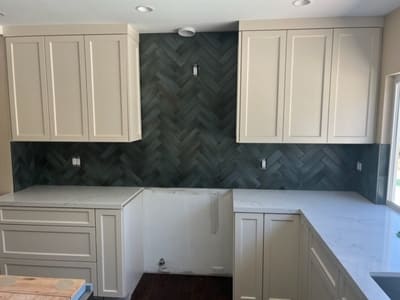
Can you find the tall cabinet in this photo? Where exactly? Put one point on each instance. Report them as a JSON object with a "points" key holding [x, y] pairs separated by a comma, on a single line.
{"points": [[308, 81], [72, 84]]}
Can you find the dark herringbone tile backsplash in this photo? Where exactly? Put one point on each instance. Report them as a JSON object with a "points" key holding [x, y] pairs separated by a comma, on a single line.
{"points": [[188, 133]]}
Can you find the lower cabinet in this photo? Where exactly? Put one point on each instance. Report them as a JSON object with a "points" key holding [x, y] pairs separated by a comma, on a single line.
{"points": [[102, 246], [325, 278], [280, 256], [248, 266], [266, 256], [55, 269], [318, 286], [348, 290], [304, 258]]}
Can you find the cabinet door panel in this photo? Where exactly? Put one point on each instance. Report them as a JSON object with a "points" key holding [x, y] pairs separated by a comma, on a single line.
{"points": [[106, 63], [349, 291], [307, 85], [261, 86], [67, 88], [248, 256], [281, 256], [27, 85], [109, 253], [318, 286], [48, 242], [50, 268], [353, 98]]}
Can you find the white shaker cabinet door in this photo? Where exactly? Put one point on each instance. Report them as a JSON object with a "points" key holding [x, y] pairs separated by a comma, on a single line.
{"points": [[109, 253], [353, 100], [248, 266], [281, 256], [349, 291], [261, 86], [107, 80], [308, 69], [318, 285], [28, 90], [65, 57]]}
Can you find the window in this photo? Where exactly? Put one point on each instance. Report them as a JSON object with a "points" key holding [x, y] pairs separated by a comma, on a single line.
{"points": [[394, 168]]}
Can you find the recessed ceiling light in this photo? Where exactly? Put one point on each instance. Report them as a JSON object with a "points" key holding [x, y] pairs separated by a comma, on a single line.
{"points": [[186, 31], [301, 2], [144, 8]]}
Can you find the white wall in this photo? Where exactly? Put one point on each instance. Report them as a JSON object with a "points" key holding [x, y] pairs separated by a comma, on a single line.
{"points": [[390, 66], [192, 229]]}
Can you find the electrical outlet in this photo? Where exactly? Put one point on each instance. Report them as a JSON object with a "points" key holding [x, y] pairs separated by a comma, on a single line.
{"points": [[263, 164], [76, 162], [359, 166]]}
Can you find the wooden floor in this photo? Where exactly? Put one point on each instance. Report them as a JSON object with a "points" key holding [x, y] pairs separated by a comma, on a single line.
{"points": [[181, 287]]}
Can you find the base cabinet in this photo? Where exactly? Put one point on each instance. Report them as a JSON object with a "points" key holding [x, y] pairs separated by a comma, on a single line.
{"points": [[281, 256], [348, 290], [54, 269], [324, 277], [266, 256], [104, 246], [318, 287], [248, 257]]}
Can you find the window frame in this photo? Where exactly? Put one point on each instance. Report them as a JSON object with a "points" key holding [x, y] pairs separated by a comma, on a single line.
{"points": [[395, 144]]}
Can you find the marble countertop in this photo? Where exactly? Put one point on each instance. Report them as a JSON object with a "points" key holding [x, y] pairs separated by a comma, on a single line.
{"points": [[71, 196], [360, 234]]}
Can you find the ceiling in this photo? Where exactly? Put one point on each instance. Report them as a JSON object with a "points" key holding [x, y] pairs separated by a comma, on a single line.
{"points": [[204, 15]]}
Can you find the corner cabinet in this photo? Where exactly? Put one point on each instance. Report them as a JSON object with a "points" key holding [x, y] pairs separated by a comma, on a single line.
{"points": [[308, 85], [77, 87], [280, 256]]}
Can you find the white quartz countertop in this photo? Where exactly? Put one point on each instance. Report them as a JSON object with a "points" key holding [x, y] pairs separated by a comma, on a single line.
{"points": [[71, 196], [360, 234]]}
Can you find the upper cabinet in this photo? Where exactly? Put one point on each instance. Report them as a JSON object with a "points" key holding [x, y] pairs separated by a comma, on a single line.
{"points": [[306, 85], [66, 77], [356, 54], [262, 64], [107, 58], [80, 86], [308, 71], [29, 105]]}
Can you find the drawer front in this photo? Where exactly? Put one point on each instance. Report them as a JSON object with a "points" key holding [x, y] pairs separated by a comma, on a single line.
{"points": [[47, 216], [54, 269], [45, 242], [326, 261]]}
